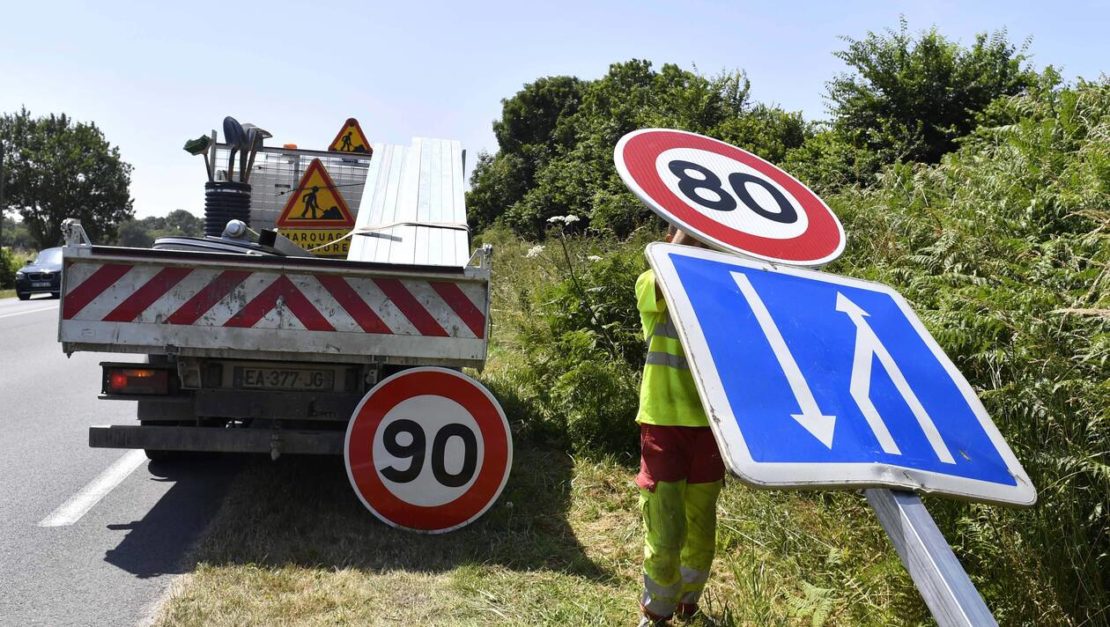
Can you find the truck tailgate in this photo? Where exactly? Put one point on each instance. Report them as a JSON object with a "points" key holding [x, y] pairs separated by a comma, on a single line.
{"points": [[256, 307]]}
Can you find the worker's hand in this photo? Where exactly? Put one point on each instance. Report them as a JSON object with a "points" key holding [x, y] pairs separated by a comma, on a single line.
{"points": [[685, 239]]}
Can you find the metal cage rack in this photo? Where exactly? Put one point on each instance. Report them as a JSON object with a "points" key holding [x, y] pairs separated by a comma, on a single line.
{"points": [[276, 172]]}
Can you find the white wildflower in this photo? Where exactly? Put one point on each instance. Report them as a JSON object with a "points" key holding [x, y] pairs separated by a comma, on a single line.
{"points": [[534, 251], [594, 258]]}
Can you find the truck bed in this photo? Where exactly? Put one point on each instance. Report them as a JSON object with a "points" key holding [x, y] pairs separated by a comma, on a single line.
{"points": [[129, 300]]}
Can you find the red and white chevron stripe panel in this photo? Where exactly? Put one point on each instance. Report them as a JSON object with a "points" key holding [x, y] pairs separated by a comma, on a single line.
{"points": [[210, 297]]}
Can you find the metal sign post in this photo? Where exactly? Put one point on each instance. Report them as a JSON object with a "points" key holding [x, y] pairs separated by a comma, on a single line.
{"points": [[854, 392], [938, 575]]}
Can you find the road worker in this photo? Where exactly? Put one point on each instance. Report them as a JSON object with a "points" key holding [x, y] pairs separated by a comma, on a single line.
{"points": [[681, 471]]}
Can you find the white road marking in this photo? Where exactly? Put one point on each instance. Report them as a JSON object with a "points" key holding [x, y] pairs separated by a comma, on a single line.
{"points": [[72, 510], [20, 313]]}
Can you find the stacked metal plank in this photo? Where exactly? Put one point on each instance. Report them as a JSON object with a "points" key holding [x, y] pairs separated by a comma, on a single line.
{"points": [[412, 208]]}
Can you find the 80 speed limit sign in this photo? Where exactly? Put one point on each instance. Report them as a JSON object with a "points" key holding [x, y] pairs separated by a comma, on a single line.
{"points": [[428, 449], [728, 197]]}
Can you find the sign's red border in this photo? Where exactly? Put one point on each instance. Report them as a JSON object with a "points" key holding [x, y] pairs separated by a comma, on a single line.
{"points": [[636, 157], [495, 461]]}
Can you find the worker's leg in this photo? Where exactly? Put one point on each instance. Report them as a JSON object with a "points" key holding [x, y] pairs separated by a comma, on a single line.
{"points": [[664, 533], [701, 540], [704, 482]]}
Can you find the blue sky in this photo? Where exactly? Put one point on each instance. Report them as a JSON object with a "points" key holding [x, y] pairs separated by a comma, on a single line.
{"points": [[153, 74]]}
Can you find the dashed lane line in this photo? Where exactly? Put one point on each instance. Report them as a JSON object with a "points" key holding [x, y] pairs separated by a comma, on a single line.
{"points": [[79, 504], [29, 311]]}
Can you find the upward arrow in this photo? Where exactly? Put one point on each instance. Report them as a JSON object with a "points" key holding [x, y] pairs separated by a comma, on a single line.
{"points": [[811, 418], [867, 346], [854, 311]]}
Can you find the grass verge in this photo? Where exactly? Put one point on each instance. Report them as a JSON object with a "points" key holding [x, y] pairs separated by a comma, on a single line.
{"points": [[292, 545]]}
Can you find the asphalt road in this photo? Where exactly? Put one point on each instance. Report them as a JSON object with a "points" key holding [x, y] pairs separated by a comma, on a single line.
{"points": [[108, 565]]}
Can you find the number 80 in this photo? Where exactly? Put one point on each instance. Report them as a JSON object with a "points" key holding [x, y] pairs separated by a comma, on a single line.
{"points": [[724, 201]]}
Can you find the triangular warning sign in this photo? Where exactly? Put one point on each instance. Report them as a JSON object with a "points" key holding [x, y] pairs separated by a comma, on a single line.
{"points": [[351, 139], [316, 203]]}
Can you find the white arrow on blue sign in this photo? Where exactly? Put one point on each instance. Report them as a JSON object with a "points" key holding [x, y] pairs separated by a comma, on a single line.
{"points": [[812, 379]]}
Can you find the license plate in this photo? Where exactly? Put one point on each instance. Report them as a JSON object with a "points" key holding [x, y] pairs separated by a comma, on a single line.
{"points": [[40, 283], [284, 379]]}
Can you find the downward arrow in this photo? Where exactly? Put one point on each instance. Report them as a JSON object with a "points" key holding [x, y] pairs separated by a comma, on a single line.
{"points": [[811, 419]]}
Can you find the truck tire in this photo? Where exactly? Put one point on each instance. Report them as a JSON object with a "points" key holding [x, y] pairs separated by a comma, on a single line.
{"points": [[23, 295]]}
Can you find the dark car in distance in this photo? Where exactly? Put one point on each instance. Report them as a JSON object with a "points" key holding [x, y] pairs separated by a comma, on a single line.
{"points": [[44, 274]]}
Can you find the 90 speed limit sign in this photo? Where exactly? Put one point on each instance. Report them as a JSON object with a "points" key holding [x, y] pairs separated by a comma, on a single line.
{"points": [[428, 449], [728, 197]]}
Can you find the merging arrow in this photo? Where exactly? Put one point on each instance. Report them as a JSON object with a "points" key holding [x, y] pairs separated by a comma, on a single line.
{"points": [[811, 418], [867, 346]]}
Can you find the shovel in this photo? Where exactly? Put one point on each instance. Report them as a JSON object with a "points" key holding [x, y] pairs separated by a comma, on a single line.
{"points": [[255, 139], [233, 135]]}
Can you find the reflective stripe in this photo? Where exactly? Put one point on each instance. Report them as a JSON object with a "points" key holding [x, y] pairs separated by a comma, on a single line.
{"points": [[660, 600], [693, 582], [692, 576], [666, 329], [656, 358]]}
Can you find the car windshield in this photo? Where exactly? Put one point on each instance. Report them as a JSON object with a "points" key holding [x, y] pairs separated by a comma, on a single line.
{"points": [[50, 256]]}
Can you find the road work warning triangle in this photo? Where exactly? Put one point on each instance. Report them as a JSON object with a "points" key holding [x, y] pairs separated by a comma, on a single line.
{"points": [[351, 139], [316, 203]]}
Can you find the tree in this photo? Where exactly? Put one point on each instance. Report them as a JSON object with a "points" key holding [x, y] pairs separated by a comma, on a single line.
{"points": [[15, 235], [132, 233], [181, 222], [556, 139], [909, 98], [531, 131], [142, 233], [57, 169]]}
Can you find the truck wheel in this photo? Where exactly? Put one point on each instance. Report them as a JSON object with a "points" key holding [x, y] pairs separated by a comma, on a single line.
{"points": [[23, 296]]}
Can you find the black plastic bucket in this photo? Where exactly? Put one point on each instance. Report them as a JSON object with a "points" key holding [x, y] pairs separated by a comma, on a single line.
{"points": [[224, 201]]}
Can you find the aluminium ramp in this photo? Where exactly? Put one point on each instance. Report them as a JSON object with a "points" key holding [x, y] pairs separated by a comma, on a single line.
{"points": [[412, 207]]}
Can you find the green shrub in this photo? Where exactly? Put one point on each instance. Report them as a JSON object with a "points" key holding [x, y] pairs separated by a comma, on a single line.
{"points": [[1003, 249], [10, 262], [565, 315], [7, 271]]}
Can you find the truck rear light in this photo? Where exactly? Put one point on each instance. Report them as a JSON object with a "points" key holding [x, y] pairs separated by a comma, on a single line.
{"points": [[136, 381]]}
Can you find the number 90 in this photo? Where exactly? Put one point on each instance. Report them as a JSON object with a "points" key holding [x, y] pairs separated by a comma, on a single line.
{"points": [[416, 450]]}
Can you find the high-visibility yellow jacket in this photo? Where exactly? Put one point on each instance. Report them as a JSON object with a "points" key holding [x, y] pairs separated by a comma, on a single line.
{"points": [[668, 396]]}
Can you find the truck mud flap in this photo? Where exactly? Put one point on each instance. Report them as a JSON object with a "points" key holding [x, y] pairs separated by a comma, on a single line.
{"points": [[217, 440]]}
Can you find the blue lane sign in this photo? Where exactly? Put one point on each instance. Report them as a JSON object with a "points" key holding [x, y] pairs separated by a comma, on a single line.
{"points": [[812, 379]]}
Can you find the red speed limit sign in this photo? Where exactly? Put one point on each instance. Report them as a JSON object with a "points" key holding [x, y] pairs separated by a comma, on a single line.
{"points": [[728, 197], [428, 450]]}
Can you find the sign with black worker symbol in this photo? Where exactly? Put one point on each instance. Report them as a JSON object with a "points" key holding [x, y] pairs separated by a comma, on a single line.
{"points": [[728, 197], [316, 215], [351, 139], [428, 450]]}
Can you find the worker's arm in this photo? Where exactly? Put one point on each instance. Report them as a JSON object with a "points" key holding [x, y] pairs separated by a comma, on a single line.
{"points": [[682, 238]]}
